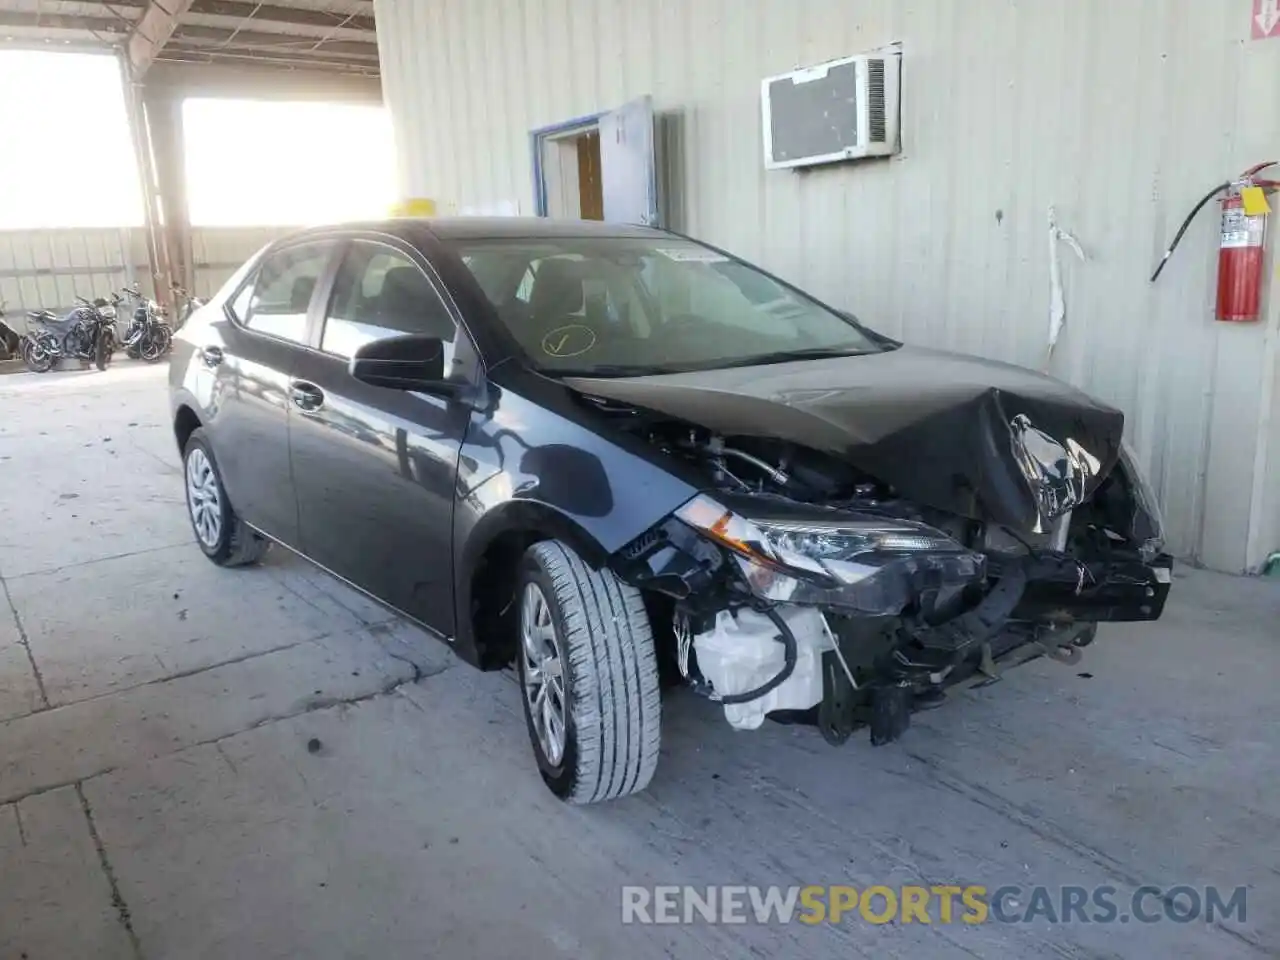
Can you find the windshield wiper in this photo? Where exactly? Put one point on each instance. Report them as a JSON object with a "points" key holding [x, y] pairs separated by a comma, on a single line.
{"points": [[784, 356], [637, 370], [607, 370]]}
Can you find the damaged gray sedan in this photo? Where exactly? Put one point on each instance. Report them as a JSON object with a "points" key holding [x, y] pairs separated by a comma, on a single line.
{"points": [[615, 457]]}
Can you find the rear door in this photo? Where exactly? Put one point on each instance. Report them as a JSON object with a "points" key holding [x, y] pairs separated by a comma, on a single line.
{"points": [[375, 468], [251, 354]]}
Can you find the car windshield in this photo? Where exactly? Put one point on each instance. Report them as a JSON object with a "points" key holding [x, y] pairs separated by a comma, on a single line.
{"points": [[626, 306]]}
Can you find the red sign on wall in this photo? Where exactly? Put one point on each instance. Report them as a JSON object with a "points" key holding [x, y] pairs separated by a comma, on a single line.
{"points": [[1266, 19]]}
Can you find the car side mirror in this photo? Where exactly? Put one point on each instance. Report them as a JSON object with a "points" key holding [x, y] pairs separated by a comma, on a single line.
{"points": [[402, 363]]}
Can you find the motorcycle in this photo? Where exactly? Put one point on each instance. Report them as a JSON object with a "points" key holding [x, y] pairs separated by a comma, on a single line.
{"points": [[87, 334], [149, 336], [10, 341], [185, 304]]}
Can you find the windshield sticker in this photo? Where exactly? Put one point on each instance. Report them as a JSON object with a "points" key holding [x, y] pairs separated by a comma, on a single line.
{"points": [[568, 341], [692, 255]]}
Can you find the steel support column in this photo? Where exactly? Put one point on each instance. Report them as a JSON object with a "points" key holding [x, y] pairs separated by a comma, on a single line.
{"points": [[164, 125], [157, 248]]}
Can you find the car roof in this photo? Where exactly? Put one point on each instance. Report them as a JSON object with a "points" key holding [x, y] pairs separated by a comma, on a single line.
{"points": [[485, 228], [475, 228]]}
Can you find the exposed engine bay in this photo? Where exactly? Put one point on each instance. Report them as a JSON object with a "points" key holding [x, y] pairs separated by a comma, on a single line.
{"points": [[801, 587]]}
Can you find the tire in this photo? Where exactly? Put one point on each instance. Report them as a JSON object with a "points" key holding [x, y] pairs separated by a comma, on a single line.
{"points": [[231, 542], [155, 346], [102, 349], [597, 630], [36, 355]]}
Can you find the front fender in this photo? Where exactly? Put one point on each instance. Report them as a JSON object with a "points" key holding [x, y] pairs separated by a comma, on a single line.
{"points": [[537, 470], [550, 452]]}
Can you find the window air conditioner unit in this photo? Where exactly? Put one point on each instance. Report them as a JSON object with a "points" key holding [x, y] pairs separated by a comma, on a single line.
{"points": [[839, 110]]}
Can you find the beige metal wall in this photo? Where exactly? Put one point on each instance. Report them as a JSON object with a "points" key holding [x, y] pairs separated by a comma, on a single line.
{"points": [[1120, 113], [47, 269], [218, 252]]}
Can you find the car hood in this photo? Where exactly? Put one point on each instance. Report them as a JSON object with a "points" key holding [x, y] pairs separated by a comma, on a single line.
{"points": [[978, 438]]}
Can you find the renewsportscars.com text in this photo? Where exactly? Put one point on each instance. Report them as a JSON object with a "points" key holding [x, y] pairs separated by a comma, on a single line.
{"points": [[934, 904]]}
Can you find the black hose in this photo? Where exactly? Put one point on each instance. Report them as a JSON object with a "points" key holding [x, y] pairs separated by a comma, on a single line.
{"points": [[1177, 237], [788, 668]]}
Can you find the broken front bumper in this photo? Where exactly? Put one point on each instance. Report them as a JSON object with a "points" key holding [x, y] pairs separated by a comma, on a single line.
{"points": [[1060, 588], [944, 622]]}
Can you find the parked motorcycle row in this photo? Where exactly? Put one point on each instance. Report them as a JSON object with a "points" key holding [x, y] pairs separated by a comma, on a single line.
{"points": [[88, 333]]}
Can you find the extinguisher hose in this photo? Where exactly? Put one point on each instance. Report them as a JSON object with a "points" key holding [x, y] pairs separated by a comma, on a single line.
{"points": [[1177, 237]]}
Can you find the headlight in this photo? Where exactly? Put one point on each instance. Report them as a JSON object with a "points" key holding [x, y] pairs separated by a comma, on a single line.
{"points": [[868, 563], [1146, 524]]}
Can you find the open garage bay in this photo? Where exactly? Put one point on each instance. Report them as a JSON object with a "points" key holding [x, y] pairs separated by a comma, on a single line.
{"points": [[199, 762]]}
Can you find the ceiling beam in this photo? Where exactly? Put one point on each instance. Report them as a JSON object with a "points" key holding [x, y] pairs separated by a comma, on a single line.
{"points": [[176, 77], [269, 13], [180, 55], [236, 50], [152, 32], [197, 35], [62, 21], [50, 45]]}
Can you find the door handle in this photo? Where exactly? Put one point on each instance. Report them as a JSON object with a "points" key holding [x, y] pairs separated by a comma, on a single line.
{"points": [[212, 356], [306, 396]]}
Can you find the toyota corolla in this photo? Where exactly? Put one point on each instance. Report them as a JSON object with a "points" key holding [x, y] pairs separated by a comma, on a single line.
{"points": [[608, 455]]}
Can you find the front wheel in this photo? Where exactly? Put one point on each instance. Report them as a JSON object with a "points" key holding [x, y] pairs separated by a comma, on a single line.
{"points": [[590, 677], [155, 345], [37, 355], [103, 347]]}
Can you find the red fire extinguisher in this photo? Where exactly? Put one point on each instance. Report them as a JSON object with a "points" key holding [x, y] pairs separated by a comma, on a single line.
{"points": [[1242, 250], [1240, 256]]}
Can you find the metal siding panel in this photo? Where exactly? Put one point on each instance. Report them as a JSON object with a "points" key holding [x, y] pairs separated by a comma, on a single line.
{"points": [[514, 172], [610, 54], [46, 269], [219, 251], [1113, 112]]}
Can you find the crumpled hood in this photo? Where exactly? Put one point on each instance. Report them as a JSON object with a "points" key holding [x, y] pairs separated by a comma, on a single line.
{"points": [[974, 437]]}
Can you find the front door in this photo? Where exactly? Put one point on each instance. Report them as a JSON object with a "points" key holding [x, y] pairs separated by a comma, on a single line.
{"points": [[250, 356], [374, 468]]}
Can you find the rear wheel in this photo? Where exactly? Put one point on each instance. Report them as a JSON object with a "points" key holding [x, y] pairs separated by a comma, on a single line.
{"points": [[222, 536], [589, 675]]}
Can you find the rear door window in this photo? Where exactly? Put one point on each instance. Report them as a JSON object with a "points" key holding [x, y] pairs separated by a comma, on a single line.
{"points": [[276, 302]]}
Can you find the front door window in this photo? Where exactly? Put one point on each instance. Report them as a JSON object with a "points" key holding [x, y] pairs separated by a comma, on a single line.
{"points": [[379, 292]]}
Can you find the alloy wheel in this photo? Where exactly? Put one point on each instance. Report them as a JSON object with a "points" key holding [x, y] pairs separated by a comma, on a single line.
{"points": [[202, 498], [543, 673]]}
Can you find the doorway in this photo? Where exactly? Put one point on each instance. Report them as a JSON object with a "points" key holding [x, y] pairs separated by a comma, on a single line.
{"points": [[601, 167], [571, 170]]}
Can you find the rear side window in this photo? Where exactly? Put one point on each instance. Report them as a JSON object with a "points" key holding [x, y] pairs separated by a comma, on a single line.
{"points": [[379, 292], [276, 301]]}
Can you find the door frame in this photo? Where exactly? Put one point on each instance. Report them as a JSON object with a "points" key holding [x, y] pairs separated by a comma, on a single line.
{"points": [[539, 138]]}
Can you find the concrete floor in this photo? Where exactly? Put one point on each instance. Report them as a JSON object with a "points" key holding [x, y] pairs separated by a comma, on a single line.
{"points": [[260, 763]]}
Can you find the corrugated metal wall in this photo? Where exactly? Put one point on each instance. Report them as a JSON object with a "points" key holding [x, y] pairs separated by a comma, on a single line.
{"points": [[218, 252], [1120, 113], [47, 269]]}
